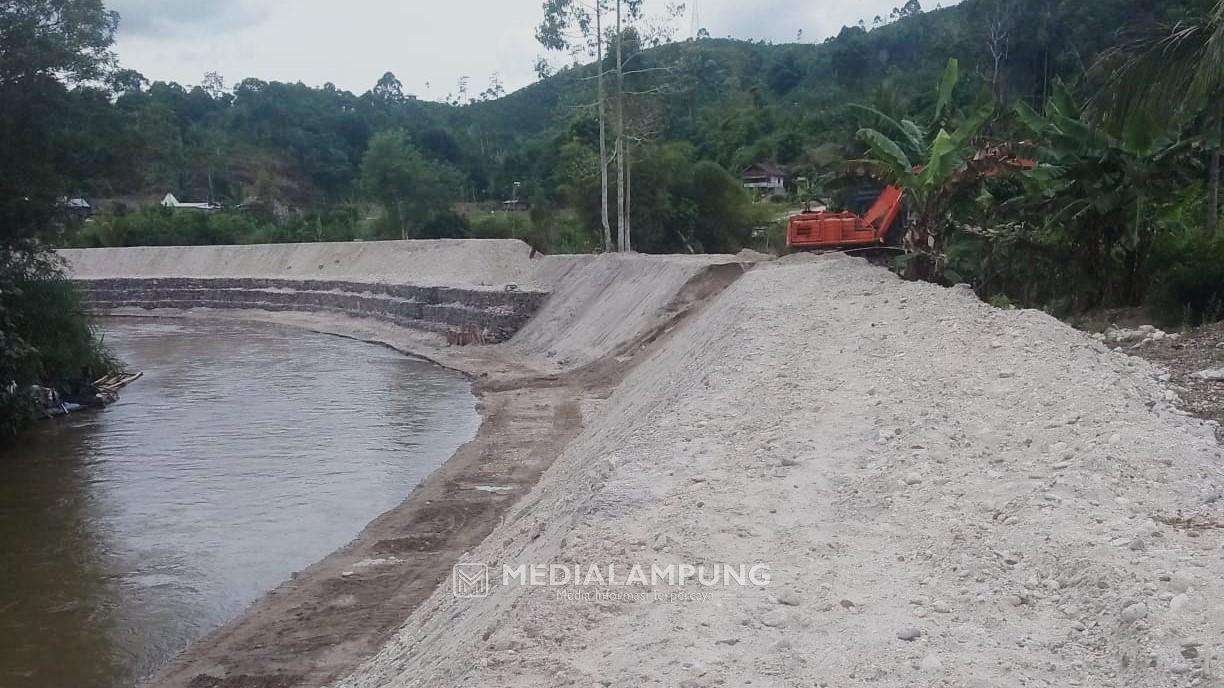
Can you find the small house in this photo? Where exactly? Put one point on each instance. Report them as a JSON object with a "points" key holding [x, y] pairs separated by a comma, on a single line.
{"points": [[765, 178]]}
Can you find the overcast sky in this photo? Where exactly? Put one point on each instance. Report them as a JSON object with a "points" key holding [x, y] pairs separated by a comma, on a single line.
{"points": [[429, 45]]}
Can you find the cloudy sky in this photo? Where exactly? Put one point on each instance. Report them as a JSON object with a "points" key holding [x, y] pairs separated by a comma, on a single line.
{"points": [[429, 45]]}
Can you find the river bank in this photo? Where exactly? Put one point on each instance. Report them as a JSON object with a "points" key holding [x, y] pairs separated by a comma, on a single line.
{"points": [[533, 392], [946, 494]]}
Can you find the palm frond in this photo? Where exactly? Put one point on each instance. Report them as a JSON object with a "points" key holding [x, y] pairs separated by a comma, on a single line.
{"points": [[905, 133], [947, 86], [888, 152], [1031, 119], [945, 158], [1174, 69]]}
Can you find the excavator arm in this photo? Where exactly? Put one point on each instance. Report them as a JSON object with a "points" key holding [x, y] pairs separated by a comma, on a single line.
{"points": [[826, 230]]}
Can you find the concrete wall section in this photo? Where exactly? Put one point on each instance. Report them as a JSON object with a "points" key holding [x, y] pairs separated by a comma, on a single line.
{"points": [[498, 314]]}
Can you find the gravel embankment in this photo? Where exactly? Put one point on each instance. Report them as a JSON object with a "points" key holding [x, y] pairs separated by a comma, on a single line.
{"points": [[492, 263], [946, 494]]}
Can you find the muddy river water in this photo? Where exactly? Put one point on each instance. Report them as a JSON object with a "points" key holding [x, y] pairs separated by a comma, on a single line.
{"points": [[245, 454]]}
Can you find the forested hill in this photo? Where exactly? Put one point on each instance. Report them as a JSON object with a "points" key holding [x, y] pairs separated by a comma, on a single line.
{"points": [[736, 102]]}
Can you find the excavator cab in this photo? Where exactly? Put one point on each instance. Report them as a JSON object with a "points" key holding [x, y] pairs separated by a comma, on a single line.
{"points": [[826, 230]]}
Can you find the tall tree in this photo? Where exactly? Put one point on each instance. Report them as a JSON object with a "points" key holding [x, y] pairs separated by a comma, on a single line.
{"points": [[622, 208], [1178, 73], [412, 189], [45, 45], [389, 89], [570, 26]]}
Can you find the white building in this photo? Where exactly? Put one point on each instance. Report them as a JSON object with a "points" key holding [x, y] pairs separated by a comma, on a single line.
{"points": [[171, 202]]}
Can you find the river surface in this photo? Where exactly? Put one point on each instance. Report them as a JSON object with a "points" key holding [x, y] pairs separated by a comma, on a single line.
{"points": [[246, 453]]}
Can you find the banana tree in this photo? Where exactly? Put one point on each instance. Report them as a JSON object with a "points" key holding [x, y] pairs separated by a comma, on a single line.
{"points": [[1092, 195], [936, 167]]}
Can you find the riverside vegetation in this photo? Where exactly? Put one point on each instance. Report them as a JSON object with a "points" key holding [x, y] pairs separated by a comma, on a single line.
{"points": [[1118, 101], [46, 340]]}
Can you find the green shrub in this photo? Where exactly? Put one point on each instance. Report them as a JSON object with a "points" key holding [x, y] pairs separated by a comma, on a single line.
{"points": [[1188, 272], [46, 337]]}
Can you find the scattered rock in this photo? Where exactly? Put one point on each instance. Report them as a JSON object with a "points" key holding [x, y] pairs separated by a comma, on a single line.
{"points": [[1134, 612], [931, 664], [776, 619], [1180, 603], [941, 607], [789, 598], [909, 634], [1181, 581], [912, 478], [1211, 375]]}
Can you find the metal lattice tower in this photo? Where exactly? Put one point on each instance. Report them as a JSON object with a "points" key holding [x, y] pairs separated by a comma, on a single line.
{"points": [[696, 18]]}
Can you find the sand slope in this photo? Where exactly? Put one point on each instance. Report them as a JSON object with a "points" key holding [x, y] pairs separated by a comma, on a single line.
{"points": [[601, 305], [947, 494]]}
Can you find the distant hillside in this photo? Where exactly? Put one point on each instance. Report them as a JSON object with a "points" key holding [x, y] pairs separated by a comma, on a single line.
{"points": [[734, 102], [792, 91]]}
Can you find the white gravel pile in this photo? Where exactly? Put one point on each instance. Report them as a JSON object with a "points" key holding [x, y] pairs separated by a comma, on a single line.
{"points": [[946, 494]]}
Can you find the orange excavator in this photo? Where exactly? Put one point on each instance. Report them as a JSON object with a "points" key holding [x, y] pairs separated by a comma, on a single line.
{"points": [[812, 230]]}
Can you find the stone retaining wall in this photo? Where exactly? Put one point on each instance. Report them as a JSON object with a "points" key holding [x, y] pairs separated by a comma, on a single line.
{"points": [[497, 314]]}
